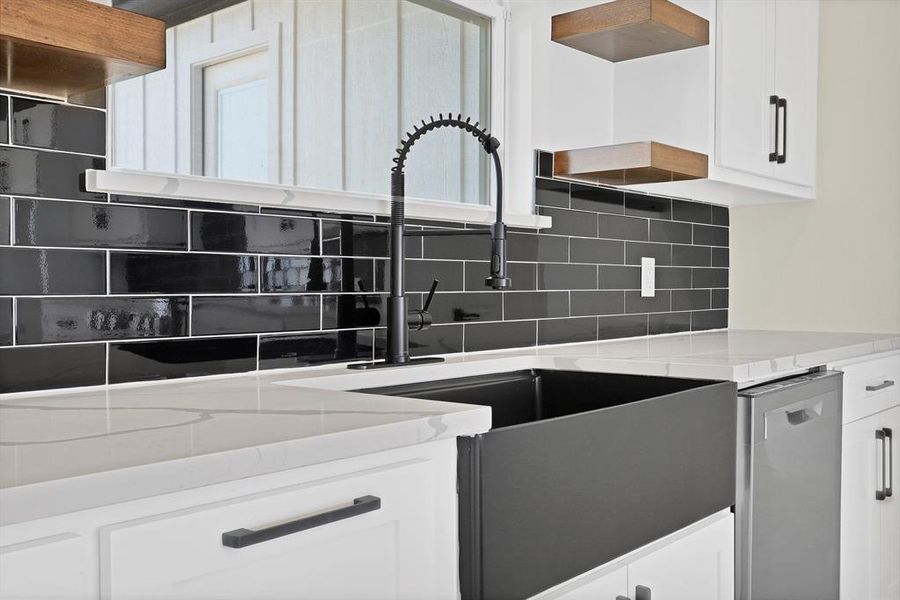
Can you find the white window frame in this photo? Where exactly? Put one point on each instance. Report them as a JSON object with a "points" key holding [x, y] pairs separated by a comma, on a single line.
{"points": [[518, 201]]}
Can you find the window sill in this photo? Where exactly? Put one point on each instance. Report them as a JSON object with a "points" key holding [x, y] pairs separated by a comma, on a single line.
{"points": [[193, 187]]}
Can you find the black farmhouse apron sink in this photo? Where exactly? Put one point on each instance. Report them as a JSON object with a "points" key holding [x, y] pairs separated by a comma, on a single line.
{"points": [[580, 468]]}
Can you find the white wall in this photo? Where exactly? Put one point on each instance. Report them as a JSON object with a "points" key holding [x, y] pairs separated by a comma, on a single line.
{"points": [[834, 264]]}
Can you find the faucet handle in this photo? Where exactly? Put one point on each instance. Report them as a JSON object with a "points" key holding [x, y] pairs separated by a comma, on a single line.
{"points": [[430, 297]]}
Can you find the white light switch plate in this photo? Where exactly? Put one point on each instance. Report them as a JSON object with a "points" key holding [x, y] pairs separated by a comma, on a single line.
{"points": [[648, 277]]}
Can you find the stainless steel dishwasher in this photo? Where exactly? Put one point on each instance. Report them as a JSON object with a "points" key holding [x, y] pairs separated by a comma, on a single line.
{"points": [[788, 497]]}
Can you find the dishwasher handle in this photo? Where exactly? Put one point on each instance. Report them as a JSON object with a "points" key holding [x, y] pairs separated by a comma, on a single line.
{"points": [[785, 418]]}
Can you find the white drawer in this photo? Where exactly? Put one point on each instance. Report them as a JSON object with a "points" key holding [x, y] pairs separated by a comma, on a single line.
{"points": [[381, 554], [871, 386]]}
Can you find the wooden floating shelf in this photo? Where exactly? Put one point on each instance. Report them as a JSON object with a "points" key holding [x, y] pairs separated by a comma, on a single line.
{"points": [[627, 29], [628, 164], [63, 48]]}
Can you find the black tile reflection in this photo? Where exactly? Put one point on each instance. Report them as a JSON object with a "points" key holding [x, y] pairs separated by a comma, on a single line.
{"points": [[694, 212], [690, 299], [90, 225], [599, 302], [170, 359], [570, 222], [619, 278], [567, 331], [623, 326], [58, 126], [4, 220], [535, 305], [315, 214], [4, 122], [675, 322], [303, 350], [710, 278], [314, 274], [709, 319], [51, 367], [348, 238], [597, 199], [212, 315], [6, 321], [670, 231], [719, 298], [544, 164], [566, 277], [466, 307], [440, 339], [346, 311], [94, 318], [719, 215], [180, 203], [525, 247], [233, 232], [493, 336], [690, 256], [622, 228], [150, 273], [585, 250], [635, 251], [719, 257], [523, 275], [635, 303], [673, 277], [25, 172], [27, 271], [460, 247], [420, 274], [710, 235], [639, 205], [548, 192]]}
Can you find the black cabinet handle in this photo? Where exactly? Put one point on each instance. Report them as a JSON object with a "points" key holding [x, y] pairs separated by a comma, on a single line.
{"points": [[622, 598], [889, 488], [884, 384], [881, 494], [773, 156], [782, 104], [241, 538], [641, 592]]}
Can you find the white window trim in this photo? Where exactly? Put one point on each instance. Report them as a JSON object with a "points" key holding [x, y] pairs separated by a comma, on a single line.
{"points": [[518, 200]]}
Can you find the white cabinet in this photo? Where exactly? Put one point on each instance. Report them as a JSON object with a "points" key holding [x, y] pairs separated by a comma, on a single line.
{"points": [[695, 563], [49, 567], [870, 506]]}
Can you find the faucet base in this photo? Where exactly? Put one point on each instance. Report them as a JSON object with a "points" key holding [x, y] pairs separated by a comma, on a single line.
{"points": [[382, 364]]}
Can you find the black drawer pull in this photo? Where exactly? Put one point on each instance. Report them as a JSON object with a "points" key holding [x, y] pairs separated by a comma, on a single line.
{"points": [[241, 538], [889, 488], [773, 156], [642, 592], [884, 384], [782, 103], [881, 494]]}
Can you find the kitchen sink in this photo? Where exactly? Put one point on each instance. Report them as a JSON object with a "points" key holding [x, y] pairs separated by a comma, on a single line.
{"points": [[580, 468]]}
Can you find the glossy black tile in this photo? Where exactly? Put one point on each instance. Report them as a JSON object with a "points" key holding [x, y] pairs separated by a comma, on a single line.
{"points": [[719, 215], [635, 251], [315, 274], [619, 278], [420, 274], [526, 247], [212, 315], [27, 271], [690, 256], [6, 321], [4, 220], [694, 212], [690, 299], [674, 322], [25, 172], [635, 303], [585, 250], [96, 225], [58, 126], [493, 336], [639, 205], [719, 257], [179, 203], [597, 199], [670, 231], [303, 350], [567, 331], [597, 302], [709, 319], [623, 326], [4, 119], [463, 247], [544, 164], [50, 367], [152, 273], [523, 275], [673, 277], [623, 228], [95, 318], [349, 238], [719, 298], [710, 235], [233, 232], [439, 339], [710, 278], [317, 214], [466, 307], [554, 276], [548, 192], [348, 311], [535, 305], [570, 222], [171, 359]]}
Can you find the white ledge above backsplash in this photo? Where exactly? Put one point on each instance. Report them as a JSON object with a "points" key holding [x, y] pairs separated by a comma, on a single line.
{"points": [[207, 189]]}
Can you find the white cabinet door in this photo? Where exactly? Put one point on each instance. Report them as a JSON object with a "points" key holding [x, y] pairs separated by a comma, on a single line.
{"points": [[51, 567], [796, 77], [745, 55], [699, 566], [890, 513], [608, 587], [388, 553]]}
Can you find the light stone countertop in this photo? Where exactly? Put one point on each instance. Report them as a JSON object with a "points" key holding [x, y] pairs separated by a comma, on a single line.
{"points": [[74, 449]]}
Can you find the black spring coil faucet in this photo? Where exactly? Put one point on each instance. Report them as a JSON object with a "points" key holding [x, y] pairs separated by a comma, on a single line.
{"points": [[399, 318]]}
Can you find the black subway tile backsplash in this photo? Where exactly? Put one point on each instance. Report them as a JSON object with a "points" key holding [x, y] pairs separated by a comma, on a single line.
{"points": [[58, 126], [200, 288]]}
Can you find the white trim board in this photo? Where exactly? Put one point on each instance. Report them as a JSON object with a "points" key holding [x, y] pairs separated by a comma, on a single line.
{"points": [[194, 187]]}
